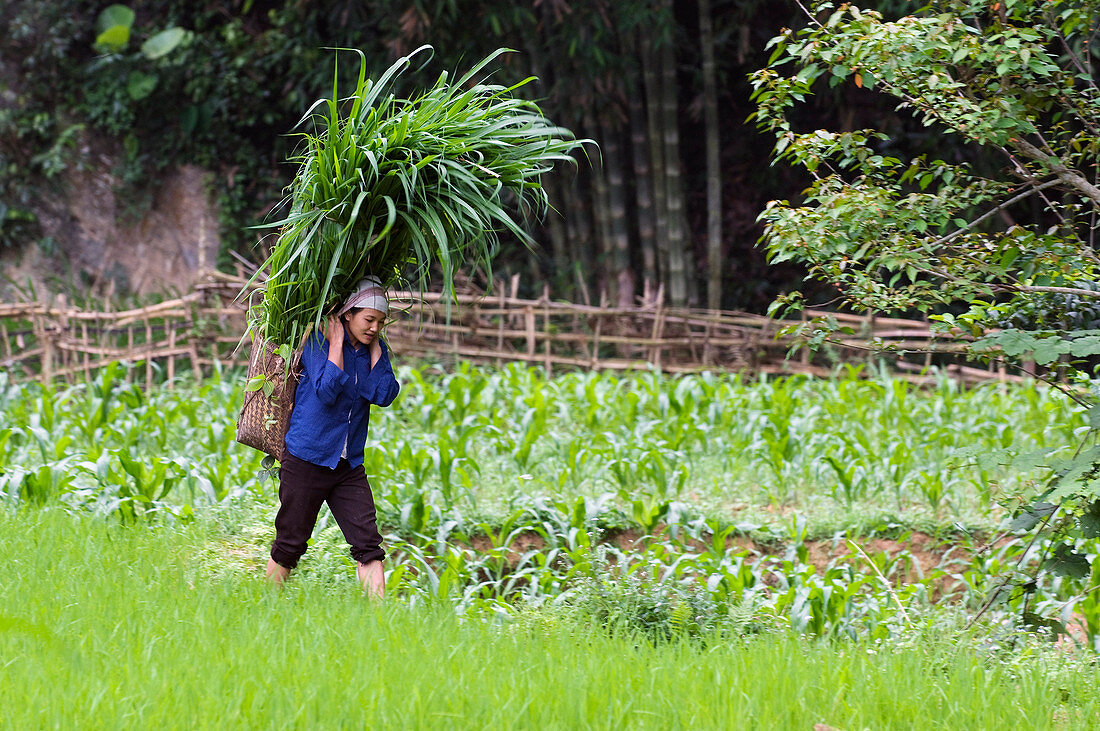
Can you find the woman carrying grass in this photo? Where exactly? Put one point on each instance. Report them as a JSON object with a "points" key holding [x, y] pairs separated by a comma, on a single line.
{"points": [[392, 186], [344, 371]]}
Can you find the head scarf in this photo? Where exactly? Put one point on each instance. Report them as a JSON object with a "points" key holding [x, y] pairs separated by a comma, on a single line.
{"points": [[368, 294]]}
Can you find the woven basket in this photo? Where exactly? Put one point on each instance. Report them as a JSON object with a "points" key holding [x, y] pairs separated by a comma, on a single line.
{"points": [[265, 418]]}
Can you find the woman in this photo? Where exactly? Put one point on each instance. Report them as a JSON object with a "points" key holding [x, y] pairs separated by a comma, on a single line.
{"points": [[343, 373]]}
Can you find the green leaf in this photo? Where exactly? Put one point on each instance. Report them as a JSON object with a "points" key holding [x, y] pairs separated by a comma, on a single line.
{"points": [[1067, 562], [1085, 346], [163, 43], [114, 39], [140, 85], [1089, 521], [1048, 350], [1036, 621], [189, 119], [1009, 256], [114, 16], [1013, 343], [1031, 517]]}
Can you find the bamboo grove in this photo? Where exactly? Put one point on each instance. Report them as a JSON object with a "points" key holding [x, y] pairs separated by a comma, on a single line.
{"points": [[661, 85]]}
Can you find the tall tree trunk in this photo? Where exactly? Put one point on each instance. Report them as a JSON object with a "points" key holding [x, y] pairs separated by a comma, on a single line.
{"points": [[601, 212], [622, 275], [656, 154], [679, 254], [578, 227], [643, 185], [556, 230], [556, 184], [714, 170]]}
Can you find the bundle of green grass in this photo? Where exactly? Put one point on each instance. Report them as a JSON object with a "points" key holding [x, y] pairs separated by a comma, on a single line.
{"points": [[389, 186]]}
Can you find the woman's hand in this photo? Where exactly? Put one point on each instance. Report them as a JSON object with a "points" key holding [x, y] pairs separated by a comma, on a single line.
{"points": [[334, 333], [375, 350]]}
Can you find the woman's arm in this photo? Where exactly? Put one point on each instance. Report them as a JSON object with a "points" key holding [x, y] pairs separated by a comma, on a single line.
{"points": [[328, 377], [335, 335], [380, 386]]}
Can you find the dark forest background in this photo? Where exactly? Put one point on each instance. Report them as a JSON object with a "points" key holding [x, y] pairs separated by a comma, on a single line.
{"points": [[671, 199]]}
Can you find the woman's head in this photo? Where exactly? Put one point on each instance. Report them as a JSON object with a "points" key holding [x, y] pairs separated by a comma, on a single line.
{"points": [[364, 312], [363, 324], [369, 293]]}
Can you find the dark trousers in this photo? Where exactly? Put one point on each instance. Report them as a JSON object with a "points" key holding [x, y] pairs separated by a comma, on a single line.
{"points": [[303, 487]]}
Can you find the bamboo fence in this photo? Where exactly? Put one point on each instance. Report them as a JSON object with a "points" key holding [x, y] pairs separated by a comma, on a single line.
{"points": [[207, 327]]}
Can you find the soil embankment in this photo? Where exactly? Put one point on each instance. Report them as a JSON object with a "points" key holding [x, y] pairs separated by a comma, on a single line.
{"points": [[101, 242]]}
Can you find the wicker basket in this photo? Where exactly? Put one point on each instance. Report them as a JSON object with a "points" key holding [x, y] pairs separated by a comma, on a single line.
{"points": [[265, 417]]}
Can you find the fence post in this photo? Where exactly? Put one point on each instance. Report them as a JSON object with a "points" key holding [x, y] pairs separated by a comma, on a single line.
{"points": [[85, 342], [549, 365], [655, 336], [148, 358], [706, 342], [65, 356], [529, 315], [171, 355], [500, 321], [869, 333], [42, 334], [805, 354], [596, 341]]}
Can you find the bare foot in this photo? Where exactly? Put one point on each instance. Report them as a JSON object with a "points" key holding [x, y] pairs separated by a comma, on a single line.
{"points": [[275, 573], [371, 578]]}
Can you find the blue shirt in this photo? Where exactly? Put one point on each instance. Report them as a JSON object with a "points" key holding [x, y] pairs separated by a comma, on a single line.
{"points": [[333, 405]]}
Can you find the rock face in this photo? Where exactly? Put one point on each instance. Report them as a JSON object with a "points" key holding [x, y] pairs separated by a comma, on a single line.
{"points": [[100, 253]]}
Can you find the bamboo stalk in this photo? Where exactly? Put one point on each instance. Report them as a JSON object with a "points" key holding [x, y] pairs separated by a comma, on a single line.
{"points": [[171, 358], [84, 342], [546, 329], [500, 328], [193, 352], [43, 337], [595, 364], [148, 361], [529, 314]]}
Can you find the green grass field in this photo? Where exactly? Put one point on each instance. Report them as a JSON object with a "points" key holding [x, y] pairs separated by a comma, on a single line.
{"points": [[592, 550], [115, 627]]}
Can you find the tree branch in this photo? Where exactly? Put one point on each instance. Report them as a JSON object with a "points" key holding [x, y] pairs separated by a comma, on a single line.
{"points": [[809, 15], [992, 212], [996, 592], [1015, 288], [1072, 178], [1070, 53]]}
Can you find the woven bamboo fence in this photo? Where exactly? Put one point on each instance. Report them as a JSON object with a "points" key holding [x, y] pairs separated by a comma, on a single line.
{"points": [[206, 327]]}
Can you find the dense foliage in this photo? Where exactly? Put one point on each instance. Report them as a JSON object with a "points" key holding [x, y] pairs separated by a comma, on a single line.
{"points": [[241, 73], [1001, 256]]}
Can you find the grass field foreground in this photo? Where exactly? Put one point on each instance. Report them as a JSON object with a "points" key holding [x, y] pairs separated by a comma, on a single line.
{"points": [[108, 626]]}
